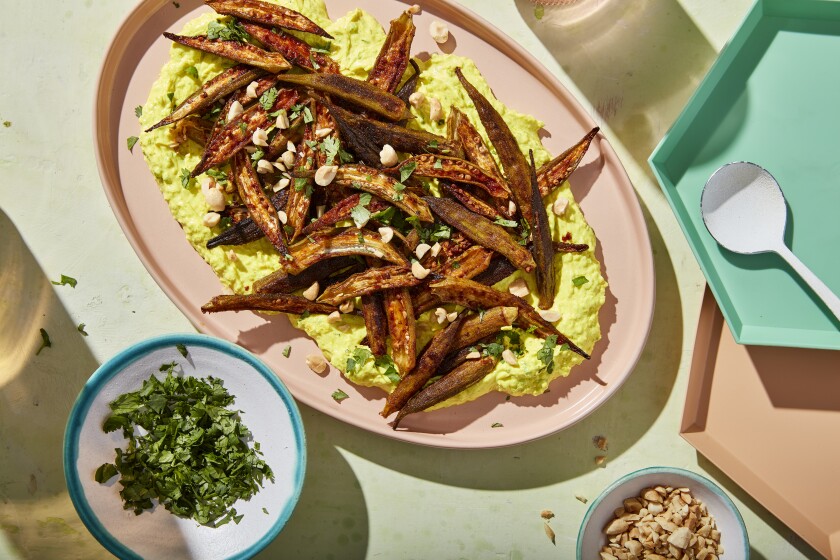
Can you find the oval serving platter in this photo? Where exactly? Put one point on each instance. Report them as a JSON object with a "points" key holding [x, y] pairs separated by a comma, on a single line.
{"points": [[600, 185]]}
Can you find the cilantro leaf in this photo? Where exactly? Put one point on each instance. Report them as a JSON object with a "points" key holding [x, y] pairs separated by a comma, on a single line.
{"points": [[191, 71], [105, 473], [546, 353], [138, 111], [339, 395], [358, 357], [406, 170], [580, 280], [287, 350], [359, 213], [182, 349], [267, 98], [227, 31], [45, 341], [219, 176], [185, 178], [331, 147], [307, 115], [65, 281], [506, 223], [497, 425], [81, 329], [438, 164], [385, 362], [130, 142]]}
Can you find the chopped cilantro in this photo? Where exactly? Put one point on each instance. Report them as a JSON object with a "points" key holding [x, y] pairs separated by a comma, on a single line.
{"points": [[399, 187], [7, 124], [295, 111], [546, 353], [301, 183], [287, 351], [81, 329], [432, 145], [182, 349], [358, 357], [243, 128], [45, 342], [438, 164], [306, 313], [456, 265], [339, 395], [138, 111], [307, 115], [219, 176], [105, 473], [185, 178], [193, 458], [130, 142], [360, 213], [506, 223], [580, 280], [315, 65], [385, 362], [492, 349], [257, 155], [191, 71], [226, 30], [331, 148], [539, 11], [265, 511], [406, 170], [497, 425], [322, 50], [267, 99], [65, 281]]}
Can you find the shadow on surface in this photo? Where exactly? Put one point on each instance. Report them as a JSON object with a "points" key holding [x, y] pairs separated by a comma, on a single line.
{"points": [[36, 395], [755, 507], [636, 61], [330, 521], [564, 455]]}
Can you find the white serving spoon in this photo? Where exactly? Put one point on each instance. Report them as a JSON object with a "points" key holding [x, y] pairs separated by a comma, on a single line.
{"points": [[744, 209]]}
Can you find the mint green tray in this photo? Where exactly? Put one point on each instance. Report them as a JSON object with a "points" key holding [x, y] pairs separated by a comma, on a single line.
{"points": [[772, 98]]}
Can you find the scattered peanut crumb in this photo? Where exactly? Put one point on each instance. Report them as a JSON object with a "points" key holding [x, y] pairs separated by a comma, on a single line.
{"points": [[549, 532], [600, 442], [581, 499], [546, 514], [600, 460]]}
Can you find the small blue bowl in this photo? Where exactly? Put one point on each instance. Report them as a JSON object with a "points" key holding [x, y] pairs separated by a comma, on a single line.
{"points": [[733, 532], [268, 410]]}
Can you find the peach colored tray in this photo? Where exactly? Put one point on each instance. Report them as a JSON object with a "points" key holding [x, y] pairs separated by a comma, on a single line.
{"points": [[769, 417], [133, 61]]}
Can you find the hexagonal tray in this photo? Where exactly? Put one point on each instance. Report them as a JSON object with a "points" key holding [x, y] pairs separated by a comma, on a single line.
{"points": [[768, 417], [771, 98]]}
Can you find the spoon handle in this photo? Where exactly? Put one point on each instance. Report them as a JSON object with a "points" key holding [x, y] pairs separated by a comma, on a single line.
{"points": [[822, 291]]}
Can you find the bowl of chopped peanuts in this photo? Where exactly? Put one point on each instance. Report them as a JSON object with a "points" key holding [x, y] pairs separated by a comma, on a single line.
{"points": [[663, 513]]}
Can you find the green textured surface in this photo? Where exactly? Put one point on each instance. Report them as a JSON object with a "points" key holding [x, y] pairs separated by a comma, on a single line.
{"points": [[770, 99]]}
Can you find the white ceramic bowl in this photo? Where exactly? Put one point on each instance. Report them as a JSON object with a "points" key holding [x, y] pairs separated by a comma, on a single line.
{"points": [[268, 410], [733, 532]]}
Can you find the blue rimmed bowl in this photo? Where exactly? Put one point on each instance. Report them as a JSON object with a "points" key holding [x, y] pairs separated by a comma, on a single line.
{"points": [[268, 410], [733, 532]]}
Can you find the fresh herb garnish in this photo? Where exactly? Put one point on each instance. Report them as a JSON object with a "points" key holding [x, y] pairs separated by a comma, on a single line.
{"points": [[315, 65], [193, 458], [331, 147], [138, 111], [406, 170], [65, 281], [492, 349], [339, 395], [385, 362], [287, 351], [130, 142], [301, 183], [191, 71], [358, 357], [227, 30], [360, 213], [182, 349], [81, 329], [438, 164], [580, 280], [265, 511], [307, 115], [257, 155], [267, 98], [219, 176], [497, 425], [45, 342], [432, 145], [185, 178], [243, 127], [399, 188], [546, 353], [456, 265], [506, 223], [539, 11]]}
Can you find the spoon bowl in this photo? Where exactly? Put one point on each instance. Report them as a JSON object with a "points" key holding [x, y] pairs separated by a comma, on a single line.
{"points": [[744, 209]]}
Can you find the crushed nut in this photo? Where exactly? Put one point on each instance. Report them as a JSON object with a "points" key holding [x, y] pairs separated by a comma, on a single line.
{"points": [[418, 270], [440, 313], [549, 532], [549, 315], [325, 175], [439, 32], [662, 523], [422, 249], [509, 357], [416, 99], [321, 133], [260, 137], [473, 355], [281, 215], [264, 166], [451, 316], [347, 307], [213, 195], [235, 110], [581, 499], [435, 109], [519, 287], [560, 205], [211, 219], [334, 317], [414, 9], [317, 363], [386, 233], [599, 460], [281, 184], [388, 156], [511, 207], [600, 442], [435, 249], [282, 122], [251, 90], [311, 293], [546, 514], [288, 158]]}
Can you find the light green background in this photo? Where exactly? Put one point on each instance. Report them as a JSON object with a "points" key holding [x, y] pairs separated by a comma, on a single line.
{"points": [[633, 63]]}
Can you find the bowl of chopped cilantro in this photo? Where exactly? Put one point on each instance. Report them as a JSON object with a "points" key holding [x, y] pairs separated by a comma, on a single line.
{"points": [[184, 446]]}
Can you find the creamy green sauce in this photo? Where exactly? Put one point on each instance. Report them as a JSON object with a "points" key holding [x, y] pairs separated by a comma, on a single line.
{"points": [[358, 38]]}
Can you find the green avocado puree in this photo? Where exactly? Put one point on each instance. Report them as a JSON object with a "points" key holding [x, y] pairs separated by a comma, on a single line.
{"points": [[358, 38]]}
